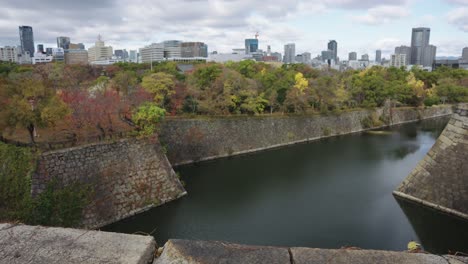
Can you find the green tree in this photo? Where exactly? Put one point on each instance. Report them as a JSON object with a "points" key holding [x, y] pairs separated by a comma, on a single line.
{"points": [[124, 82], [161, 85], [147, 118]]}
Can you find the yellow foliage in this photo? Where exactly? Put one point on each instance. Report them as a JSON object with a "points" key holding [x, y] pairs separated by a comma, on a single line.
{"points": [[412, 245], [301, 82], [416, 85]]}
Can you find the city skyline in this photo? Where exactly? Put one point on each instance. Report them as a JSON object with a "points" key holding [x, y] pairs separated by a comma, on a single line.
{"points": [[360, 26]]}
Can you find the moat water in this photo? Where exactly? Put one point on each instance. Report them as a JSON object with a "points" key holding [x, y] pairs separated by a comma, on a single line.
{"points": [[329, 193]]}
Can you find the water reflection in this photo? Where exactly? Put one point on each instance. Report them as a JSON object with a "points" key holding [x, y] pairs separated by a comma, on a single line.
{"points": [[438, 232]]}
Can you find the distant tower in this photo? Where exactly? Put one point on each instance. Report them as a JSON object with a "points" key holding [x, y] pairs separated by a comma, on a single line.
{"points": [[465, 53], [26, 40], [352, 56], [378, 56], [333, 47], [289, 53], [251, 45], [268, 50], [63, 42], [421, 52]]}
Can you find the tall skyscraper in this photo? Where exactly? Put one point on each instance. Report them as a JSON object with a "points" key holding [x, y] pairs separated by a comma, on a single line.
{"points": [[251, 45], [421, 52], [289, 53], [352, 56], [63, 42], [465, 53], [365, 57], [333, 47], [378, 56], [26, 40]]}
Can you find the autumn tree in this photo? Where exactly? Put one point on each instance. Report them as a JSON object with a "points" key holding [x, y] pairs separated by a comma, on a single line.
{"points": [[32, 105], [147, 118], [161, 85]]}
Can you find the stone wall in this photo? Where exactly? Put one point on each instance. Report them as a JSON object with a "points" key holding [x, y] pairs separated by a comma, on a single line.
{"points": [[440, 180], [127, 177], [196, 139]]}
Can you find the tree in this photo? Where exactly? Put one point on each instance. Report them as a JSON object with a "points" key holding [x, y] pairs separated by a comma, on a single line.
{"points": [[124, 82], [147, 117], [417, 88], [33, 105], [161, 85]]}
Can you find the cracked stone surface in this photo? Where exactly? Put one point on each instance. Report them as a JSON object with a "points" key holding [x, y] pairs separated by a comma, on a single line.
{"points": [[41, 245]]}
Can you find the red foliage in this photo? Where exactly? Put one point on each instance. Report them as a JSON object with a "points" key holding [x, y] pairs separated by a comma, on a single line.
{"points": [[177, 99]]}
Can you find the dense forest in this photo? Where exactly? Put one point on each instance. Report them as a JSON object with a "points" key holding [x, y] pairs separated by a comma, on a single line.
{"points": [[106, 99]]}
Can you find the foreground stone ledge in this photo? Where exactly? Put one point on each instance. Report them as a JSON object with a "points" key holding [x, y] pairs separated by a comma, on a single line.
{"points": [[36, 244], [213, 252]]}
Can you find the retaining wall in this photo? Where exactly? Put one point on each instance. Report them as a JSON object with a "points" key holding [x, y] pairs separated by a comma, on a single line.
{"points": [[440, 180], [127, 177], [190, 140]]}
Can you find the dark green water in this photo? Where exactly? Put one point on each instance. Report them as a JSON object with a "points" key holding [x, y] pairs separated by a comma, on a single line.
{"points": [[329, 193]]}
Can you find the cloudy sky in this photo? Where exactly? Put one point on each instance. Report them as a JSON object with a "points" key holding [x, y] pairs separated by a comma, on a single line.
{"points": [[357, 25]]}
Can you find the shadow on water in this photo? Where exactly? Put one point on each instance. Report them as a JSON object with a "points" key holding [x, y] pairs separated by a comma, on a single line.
{"points": [[437, 231]]}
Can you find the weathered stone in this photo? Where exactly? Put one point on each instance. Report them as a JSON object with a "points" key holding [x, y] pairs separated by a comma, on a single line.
{"points": [[42, 245], [345, 256], [214, 252], [440, 180], [117, 173]]}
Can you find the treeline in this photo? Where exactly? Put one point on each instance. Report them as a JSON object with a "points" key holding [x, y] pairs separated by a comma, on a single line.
{"points": [[104, 97]]}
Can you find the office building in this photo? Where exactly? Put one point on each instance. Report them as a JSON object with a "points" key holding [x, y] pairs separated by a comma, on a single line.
{"points": [[79, 46], [9, 54], [421, 52], [194, 49], [99, 51], [251, 45], [352, 56], [26, 40], [465, 53], [289, 53], [333, 47], [40, 48], [153, 52], [58, 54], [404, 50], [76, 56], [40, 58], [133, 57], [63, 42], [378, 56], [365, 57], [398, 60], [172, 49]]}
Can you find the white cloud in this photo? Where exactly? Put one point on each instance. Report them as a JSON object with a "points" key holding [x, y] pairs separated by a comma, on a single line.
{"points": [[459, 18], [382, 14], [457, 2]]}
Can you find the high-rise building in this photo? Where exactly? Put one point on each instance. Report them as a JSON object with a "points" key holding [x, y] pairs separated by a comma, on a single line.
{"points": [[153, 52], [99, 51], [333, 47], [26, 40], [63, 42], [172, 49], [352, 56], [421, 52], [251, 45], [465, 53], [9, 54], [398, 60], [49, 51], [289, 53], [378, 56], [133, 56], [365, 57], [119, 54], [40, 48], [194, 49], [404, 50], [327, 55]]}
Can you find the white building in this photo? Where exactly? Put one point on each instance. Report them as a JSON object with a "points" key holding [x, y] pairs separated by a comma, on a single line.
{"points": [[9, 54], [225, 57], [99, 51], [289, 53], [41, 58], [398, 60], [106, 61], [153, 52]]}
